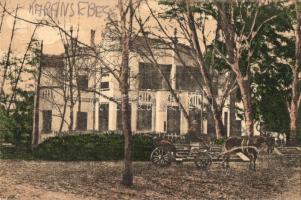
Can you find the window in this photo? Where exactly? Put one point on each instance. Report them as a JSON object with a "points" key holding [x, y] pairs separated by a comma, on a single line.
{"points": [[236, 131], [83, 82], [196, 114], [150, 77], [104, 72], [103, 117], [104, 85], [119, 117], [81, 121], [186, 78], [173, 119], [144, 118], [47, 121], [59, 77]]}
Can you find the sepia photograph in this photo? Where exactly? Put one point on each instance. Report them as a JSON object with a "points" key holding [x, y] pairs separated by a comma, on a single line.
{"points": [[150, 99]]}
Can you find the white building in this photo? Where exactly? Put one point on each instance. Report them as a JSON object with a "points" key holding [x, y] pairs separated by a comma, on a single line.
{"points": [[153, 108]]}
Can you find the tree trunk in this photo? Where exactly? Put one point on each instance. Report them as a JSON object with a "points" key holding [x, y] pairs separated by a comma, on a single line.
{"points": [[63, 116], [127, 177], [295, 101], [79, 96], [71, 105], [70, 73], [293, 123], [294, 107], [218, 123], [245, 91], [36, 117], [93, 45]]}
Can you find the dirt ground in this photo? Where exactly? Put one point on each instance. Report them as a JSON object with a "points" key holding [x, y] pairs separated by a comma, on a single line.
{"points": [[275, 178]]}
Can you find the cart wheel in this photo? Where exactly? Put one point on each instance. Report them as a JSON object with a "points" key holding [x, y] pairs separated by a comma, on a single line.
{"points": [[203, 160], [161, 157]]}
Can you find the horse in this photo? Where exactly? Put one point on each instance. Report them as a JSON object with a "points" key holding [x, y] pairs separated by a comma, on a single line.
{"points": [[250, 151], [250, 146]]}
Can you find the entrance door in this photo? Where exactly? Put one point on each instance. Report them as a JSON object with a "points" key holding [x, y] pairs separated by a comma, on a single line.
{"points": [[173, 119], [103, 117]]}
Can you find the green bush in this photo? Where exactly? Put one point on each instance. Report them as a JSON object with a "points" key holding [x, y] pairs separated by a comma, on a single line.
{"points": [[85, 147], [219, 141]]}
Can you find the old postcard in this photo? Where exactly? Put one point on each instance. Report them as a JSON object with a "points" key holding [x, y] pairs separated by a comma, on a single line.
{"points": [[150, 99]]}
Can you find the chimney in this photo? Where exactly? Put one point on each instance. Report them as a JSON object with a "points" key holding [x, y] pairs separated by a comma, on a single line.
{"points": [[92, 40]]}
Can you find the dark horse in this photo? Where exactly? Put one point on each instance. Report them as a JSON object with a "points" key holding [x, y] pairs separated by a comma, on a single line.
{"points": [[250, 146]]}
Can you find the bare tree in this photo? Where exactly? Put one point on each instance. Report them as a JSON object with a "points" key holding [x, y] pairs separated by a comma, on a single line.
{"points": [[7, 62], [36, 131], [205, 75], [20, 71], [2, 17], [126, 14], [189, 28]]}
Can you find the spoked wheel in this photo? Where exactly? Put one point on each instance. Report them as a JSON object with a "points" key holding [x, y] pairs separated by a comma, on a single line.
{"points": [[203, 160], [161, 157]]}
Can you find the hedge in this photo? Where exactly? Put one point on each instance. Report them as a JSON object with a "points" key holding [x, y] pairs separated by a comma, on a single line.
{"points": [[93, 147]]}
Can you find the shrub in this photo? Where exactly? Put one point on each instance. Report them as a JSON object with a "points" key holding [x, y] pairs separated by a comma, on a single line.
{"points": [[85, 147], [219, 141]]}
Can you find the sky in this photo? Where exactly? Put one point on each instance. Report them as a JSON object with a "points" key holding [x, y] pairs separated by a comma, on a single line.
{"points": [[87, 15]]}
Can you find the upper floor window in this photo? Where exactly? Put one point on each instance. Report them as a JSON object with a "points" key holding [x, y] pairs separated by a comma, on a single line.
{"points": [[104, 85], [83, 82], [151, 78], [188, 78], [47, 121]]}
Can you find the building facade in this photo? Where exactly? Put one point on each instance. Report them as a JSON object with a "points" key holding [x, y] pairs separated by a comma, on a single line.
{"points": [[94, 103]]}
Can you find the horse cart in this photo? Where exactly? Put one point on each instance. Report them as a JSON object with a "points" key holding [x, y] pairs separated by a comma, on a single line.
{"points": [[181, 149]]}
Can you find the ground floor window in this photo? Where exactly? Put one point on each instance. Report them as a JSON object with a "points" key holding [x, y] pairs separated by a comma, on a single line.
{"points": [[47, 121], [196, 115], [173, 119], [103, 117], [119, 117], [144, 118], [81, 121]]}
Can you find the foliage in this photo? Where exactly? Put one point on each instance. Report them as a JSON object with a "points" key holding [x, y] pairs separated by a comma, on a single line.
{"points": [[92, 147], [6, 126], [272, 51], [12, 153], [16, 126]]}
